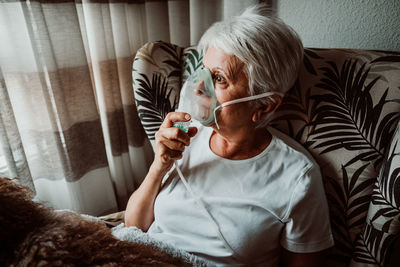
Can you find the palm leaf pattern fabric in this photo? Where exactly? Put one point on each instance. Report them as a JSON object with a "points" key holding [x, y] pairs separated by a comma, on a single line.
{"points": [[351, 120], [192, 60], [385, 202], [373, 245], [159, 69], [344, 109], [156, 80]]}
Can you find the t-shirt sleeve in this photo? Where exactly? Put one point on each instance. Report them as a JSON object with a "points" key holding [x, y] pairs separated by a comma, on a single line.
{"points": [[307, 227]]}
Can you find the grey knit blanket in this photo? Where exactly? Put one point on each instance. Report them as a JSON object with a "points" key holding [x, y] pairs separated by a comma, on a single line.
{"points": [[134, 234]]}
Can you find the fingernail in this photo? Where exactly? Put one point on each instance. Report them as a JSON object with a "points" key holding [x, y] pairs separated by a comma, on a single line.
{"points": [[187, 116]]}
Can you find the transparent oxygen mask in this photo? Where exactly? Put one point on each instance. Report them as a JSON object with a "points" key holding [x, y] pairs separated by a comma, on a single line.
{"points": [[198, 98]]}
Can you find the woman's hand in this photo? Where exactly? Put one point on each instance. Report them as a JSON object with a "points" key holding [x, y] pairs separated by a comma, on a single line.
{"points": [[170, 144], [171, 141]]}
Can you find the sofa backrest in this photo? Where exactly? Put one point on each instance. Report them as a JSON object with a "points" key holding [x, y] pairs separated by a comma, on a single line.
{"points": [[344, 109]]}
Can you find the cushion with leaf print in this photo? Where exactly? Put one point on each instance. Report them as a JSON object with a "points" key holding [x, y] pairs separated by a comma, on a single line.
{"points": [[344, 109], [159, 70], [383, 219], [156, 76]]}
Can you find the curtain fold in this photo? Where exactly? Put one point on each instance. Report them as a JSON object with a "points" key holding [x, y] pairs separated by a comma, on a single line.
{"points": [[68, 125], [14, 159]]}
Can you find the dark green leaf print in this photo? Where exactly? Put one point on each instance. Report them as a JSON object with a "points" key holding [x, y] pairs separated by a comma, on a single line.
{"points": [[372, 246], [174, 58], [347, 208], [192, 61], [307, 62], [301, 109], [173, 52], [386, 193], [154, 103], [346, 116]]}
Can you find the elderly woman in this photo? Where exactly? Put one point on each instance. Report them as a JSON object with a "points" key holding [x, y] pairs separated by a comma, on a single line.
{"points": [[249, 195]]}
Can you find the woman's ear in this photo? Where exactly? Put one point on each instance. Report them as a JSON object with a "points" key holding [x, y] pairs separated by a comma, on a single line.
{"points": [[274, 103]]}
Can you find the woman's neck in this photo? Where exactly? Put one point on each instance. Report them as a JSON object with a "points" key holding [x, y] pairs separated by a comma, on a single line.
{"points": [[241, 144]]}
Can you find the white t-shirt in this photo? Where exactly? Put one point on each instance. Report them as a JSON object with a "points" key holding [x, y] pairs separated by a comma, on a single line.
{"points": [[273, 199]]}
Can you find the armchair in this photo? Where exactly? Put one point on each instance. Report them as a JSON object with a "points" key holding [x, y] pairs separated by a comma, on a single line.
{"points": [[344, 109]]}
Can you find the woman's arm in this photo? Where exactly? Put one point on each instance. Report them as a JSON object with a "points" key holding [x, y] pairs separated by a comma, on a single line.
{"points": [[170, 144], [139, 211]]}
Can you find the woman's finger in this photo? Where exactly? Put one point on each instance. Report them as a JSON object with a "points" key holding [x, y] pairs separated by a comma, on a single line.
{"points": [[175, 134], [192, 131], [167, 155], [175, 155], [174, 145], [174, 117]]}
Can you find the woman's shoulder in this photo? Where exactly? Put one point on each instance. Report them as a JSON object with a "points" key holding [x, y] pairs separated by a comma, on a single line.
{"points": [[291, 148], [305, 168]]}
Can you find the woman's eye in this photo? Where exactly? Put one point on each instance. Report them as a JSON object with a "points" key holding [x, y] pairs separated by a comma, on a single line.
{"points": [[219, 78]]}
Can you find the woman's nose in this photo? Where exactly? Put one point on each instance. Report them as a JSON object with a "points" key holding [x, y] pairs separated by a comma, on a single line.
{"points": [[199, 90]]}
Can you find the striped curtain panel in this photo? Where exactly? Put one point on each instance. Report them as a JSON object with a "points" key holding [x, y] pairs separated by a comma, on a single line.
{"points": [[68, 122]]}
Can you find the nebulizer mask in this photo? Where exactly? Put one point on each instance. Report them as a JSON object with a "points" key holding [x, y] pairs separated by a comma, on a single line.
{"points": [[198, 98]]}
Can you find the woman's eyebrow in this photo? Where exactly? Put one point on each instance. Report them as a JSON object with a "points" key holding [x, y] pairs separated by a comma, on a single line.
{"points": [[217, 69], [233, 69], [220, 69], [229, 74]]}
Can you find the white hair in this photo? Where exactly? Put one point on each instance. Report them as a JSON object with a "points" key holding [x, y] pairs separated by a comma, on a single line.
{"points": [[271, 50]]}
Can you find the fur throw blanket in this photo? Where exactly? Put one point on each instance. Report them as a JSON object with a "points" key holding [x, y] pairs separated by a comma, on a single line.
{"points": [[32, 235]]}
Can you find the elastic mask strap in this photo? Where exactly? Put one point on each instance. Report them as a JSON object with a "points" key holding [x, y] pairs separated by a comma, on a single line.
{"points": [[239, 100], [248, 98], [215, 115], [202, 204]]}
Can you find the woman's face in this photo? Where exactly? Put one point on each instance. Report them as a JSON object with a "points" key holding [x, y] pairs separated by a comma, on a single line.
{"points": [[230, 83]]}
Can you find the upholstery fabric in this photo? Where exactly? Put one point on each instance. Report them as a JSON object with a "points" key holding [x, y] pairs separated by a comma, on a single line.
{"points": [[156, 76], [383, 219], [344, 109]]}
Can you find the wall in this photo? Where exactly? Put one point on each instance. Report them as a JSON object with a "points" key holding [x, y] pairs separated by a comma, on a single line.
{"points": [[362, 24]]}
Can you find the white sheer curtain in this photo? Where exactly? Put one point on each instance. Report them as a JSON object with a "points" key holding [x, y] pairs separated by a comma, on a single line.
{"points": [[68, 122]]}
